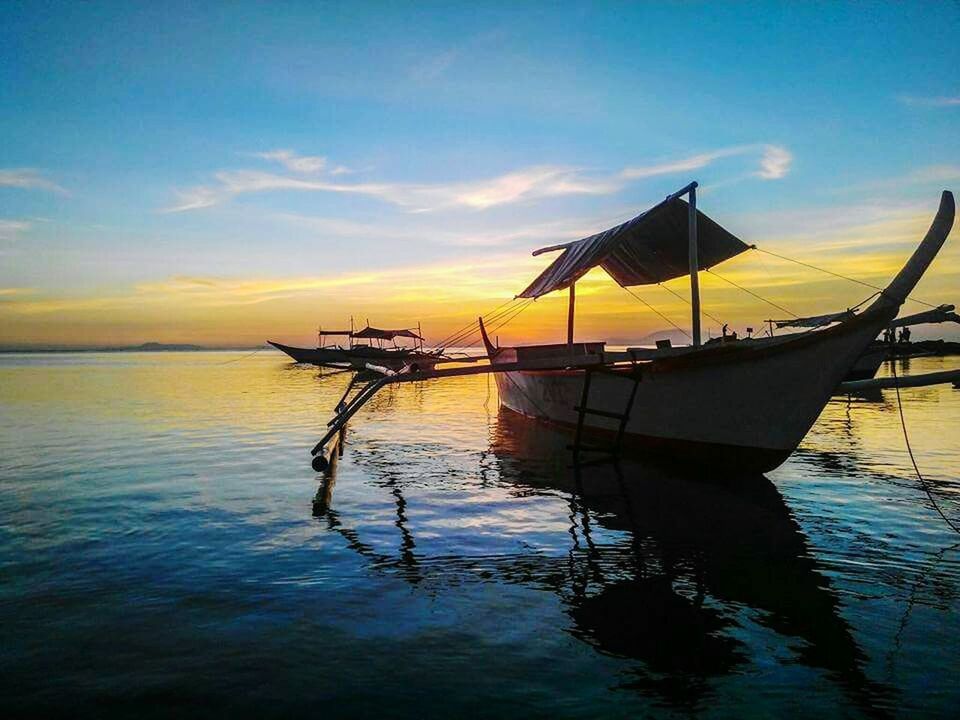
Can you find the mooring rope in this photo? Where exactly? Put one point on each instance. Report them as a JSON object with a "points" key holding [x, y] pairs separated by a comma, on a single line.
{"points": [[262, 347], [906, 439]]}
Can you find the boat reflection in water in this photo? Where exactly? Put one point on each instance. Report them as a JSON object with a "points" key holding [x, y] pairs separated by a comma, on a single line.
{"points": [[663, 568]]}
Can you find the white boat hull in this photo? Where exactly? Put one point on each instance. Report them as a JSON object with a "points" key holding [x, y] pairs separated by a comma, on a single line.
{"points": [[751, 405], [746, 405]]}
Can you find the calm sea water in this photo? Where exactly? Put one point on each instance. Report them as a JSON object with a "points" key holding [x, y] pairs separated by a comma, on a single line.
{"points": [[161, 554]]}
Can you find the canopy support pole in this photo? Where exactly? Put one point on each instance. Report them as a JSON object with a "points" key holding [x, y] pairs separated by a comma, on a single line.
{"points": [[694, 264], [570, 306]]}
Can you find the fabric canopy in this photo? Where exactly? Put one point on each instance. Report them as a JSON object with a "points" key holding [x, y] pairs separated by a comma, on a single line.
{"points": [[937, 315], [816, 320], [651, 248], [371, 333]]}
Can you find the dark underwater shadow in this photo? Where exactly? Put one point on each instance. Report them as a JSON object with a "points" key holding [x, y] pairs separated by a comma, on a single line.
{"points": [[700, 543]]}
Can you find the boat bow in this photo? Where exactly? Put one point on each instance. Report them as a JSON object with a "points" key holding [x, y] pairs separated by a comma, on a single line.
{"points": [[906, 280]]}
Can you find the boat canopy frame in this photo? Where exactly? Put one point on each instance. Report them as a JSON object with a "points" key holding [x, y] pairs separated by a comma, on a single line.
{"points": [[670, 240]]}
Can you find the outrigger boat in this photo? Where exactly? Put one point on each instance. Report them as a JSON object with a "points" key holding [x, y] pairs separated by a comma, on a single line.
{"points": [[365, 356], [739, 406]]}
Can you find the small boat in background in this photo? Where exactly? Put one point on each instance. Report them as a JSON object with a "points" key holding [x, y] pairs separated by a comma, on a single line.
{"points": [[363, 356]]}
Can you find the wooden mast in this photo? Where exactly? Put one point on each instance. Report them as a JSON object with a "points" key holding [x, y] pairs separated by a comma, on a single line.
{"points": [[694, 264], [570, 307]]}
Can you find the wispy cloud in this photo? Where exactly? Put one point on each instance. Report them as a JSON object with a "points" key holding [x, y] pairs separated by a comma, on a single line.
{"points": [[526, 184], [10, 229], [443, 233], [694, 162], [775, 162], [196, 198], [305, 164], [28, 179], [522, 185], [934, 101]]}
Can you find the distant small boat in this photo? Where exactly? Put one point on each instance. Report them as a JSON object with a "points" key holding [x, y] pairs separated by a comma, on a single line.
{"points": [[362, 357]]}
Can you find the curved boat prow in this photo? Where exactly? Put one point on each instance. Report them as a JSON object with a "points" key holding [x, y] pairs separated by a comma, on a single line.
{"points": [[282, 348], [488, 346], [906, 280]]}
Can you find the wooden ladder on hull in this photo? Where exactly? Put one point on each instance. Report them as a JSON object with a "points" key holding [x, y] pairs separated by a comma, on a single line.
{"points": [[584, 409]]}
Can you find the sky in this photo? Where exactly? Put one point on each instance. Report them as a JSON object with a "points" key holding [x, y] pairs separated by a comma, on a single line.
{"points": [[224, 173]]}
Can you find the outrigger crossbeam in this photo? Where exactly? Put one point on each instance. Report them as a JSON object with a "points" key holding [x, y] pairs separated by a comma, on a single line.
{"points": [[347, 409]]}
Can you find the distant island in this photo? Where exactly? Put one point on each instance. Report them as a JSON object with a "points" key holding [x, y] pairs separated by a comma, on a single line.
{"points": [[163, 347], [144, 347]]}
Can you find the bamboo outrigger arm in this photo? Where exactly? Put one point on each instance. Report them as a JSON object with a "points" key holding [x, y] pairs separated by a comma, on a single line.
{"points": [[346, 410], [935, 378]]}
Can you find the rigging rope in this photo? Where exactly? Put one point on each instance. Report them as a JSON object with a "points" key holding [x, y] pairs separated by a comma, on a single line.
{"points": [[676, 294], [750, 292], [472, 328], [837, 275], [512, 317], [655, 310], [496, 320], [906, 439], [448, 340]]}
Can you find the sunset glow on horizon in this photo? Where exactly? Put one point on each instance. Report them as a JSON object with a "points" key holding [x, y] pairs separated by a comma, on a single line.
{"points": [[292, 166]]}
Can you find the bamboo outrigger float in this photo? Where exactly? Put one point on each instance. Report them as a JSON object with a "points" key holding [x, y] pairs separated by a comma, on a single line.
{"points": [[741, 406], [872, 358]]}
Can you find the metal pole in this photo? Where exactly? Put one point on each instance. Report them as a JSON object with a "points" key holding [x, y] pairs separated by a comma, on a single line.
{"points": [[573, 298], [694, 264]]}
